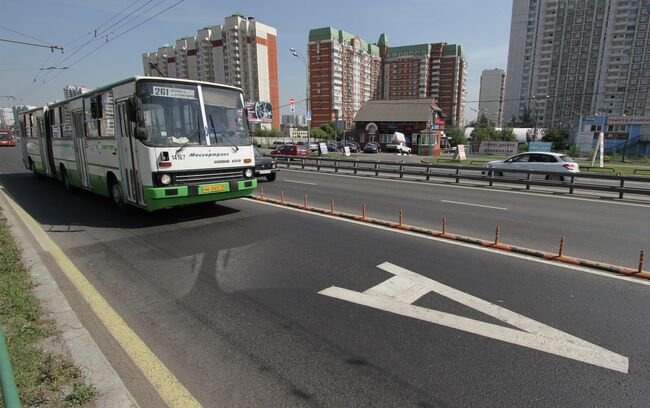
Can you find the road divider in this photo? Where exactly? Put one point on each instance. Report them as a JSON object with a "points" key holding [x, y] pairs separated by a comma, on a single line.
{"points": [[557, 257]]}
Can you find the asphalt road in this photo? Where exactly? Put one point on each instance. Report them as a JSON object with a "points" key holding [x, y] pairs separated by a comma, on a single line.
{"points": [[230, 297], [605, 230]]}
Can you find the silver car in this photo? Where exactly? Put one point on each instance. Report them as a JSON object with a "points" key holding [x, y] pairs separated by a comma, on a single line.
{"points": [[538, 161]]}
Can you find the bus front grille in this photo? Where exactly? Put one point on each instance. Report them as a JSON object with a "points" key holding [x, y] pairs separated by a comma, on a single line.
{"points": [[206, 177]]}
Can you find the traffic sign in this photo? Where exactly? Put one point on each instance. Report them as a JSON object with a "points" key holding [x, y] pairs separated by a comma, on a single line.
{"points": [[292, 105], [292, 101], [308, 115]]}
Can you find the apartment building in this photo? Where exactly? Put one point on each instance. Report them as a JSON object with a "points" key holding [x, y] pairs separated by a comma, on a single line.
{"points": [[242, 52], [571, 58], [491, 95], [345, 71], [343, 74]]}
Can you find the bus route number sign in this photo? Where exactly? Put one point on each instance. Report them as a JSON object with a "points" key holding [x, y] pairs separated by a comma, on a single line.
{"points": [[173, 92]]}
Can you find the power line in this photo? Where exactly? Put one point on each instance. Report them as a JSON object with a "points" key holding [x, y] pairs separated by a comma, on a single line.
{"points": [[51, 46], [109, 40], [24, 35]]}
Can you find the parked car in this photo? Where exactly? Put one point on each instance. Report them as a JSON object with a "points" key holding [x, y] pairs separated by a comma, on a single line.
{"points": [[313, 146], [265, 166], [332, 147], [354, 147], [6, 139], [276, 144], [372, 147], [539, 161], [292, 150]]}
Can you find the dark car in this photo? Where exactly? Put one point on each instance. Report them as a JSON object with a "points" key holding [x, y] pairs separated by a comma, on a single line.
{"points": [[372, 147], [265, 166], [332, 147], [6, 139], [354, 147], [292, 150]]}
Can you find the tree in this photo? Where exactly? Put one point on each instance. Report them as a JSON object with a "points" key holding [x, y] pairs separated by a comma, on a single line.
{"points": [[506, 135], [329, 129], [319, 134], [484, 133], [559, 138], [456, 136]]}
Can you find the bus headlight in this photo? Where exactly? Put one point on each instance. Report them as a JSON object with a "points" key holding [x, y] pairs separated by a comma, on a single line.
{"points": [[248, 173], [165, 179]]}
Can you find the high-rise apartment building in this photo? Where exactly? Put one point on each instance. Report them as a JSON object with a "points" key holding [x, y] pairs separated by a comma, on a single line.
{"points": [[491, 95], [73, 90], [343, 74], [242, 52], [345, 71], [570, 58]]}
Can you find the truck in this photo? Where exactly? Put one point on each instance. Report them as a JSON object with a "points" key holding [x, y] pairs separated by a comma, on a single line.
{"points": [[398, 144]]}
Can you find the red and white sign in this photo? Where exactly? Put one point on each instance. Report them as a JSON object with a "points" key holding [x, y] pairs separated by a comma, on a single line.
{"points": [[292, 105]]}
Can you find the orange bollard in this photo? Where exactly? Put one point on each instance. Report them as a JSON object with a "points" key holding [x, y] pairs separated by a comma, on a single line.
{"points": [[401, 217], [332, 206], [305, 200], [281, 197], [561, 247], [262, 193], [363, 212]]}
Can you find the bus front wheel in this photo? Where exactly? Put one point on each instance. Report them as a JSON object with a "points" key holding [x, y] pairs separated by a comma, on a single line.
{"points": [[116, 194]]}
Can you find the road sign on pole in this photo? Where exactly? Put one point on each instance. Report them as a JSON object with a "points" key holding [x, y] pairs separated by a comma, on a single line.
{"points": [[292, 105]]}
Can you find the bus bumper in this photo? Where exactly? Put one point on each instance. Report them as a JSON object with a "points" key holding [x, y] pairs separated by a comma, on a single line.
{"points": [[164, 197]]}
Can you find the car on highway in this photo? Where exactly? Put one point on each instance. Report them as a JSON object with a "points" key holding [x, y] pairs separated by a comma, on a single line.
{"points": [[354, 147], [537, 161], [372, 147], [6, 139], [313, 146], [292, 150], [265, 166]]}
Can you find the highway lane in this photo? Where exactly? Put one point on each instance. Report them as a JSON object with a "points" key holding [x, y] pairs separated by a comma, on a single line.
{"points": [[228, 298], [604, 230]]}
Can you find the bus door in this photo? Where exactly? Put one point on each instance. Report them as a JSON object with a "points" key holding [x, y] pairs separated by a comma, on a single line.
{"points": [[45, 147], [128, 155], [80, 148]]}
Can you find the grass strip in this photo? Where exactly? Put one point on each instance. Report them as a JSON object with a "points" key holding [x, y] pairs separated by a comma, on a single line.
{"points": [[43, 378]]}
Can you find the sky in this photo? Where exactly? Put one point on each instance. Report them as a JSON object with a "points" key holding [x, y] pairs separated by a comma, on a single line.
{"points": [[482, 28]]}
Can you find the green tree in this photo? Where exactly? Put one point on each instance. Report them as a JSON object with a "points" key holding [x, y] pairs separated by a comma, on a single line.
{"points": [[329, 129], [456, 136], [506, 135], [275, 133], [319, 134], [260, 133], [559, 138]]}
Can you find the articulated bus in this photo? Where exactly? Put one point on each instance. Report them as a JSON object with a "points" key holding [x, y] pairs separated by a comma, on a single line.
{"points": [[148, 142]]}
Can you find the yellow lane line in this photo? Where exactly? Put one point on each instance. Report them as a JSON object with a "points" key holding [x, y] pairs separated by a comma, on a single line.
{"points": [[166, 384]]}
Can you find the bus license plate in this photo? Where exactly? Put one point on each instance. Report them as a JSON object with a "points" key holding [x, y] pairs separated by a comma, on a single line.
{"points": [[213, 189]]}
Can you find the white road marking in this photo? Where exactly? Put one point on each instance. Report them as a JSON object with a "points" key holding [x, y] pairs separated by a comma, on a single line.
{"points": [[609, 275], [474, 205], [483, 188], [301, 182], [396, 294]]}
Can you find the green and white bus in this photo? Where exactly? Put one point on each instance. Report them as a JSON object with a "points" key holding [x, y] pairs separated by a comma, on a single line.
{"points": [[148, 142]]}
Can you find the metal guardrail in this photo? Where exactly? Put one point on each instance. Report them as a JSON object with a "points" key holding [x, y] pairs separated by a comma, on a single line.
{"points": [[7, 381], [460, 172]]}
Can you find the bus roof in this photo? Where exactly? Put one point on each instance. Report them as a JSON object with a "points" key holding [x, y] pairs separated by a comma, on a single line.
{"points": [[135, 79]]}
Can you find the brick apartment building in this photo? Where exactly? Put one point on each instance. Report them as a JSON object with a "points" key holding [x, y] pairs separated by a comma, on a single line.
{"points": [[345, 72], [242, 52]]}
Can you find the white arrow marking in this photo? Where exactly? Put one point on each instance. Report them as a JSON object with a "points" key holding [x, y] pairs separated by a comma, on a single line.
{"points": [[396, 294]]}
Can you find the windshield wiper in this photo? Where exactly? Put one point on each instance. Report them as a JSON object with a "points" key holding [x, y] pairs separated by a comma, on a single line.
{"points": [[233, 145], [189, 140]]}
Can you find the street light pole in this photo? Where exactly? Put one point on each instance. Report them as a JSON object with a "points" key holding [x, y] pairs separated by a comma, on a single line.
{"points": [[298, 55]]}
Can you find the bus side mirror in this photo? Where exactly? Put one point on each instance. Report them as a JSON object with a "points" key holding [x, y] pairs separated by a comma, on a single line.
{"points": [[141, 133]]}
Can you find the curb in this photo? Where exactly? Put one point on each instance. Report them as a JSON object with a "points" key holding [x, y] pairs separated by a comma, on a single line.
{"points": [[75, 341], [641, 274]]}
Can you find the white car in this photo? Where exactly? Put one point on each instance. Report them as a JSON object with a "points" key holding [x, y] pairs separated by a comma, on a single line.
{"points": [[538, 161]]}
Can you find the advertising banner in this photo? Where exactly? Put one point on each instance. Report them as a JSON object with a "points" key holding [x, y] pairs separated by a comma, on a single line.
{"points": [[507, 148], [540, 146], [585, 141], [260, 112]]}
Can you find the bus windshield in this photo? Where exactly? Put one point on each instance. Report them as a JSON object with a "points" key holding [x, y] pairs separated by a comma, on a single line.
{"points": [[172, 115]]}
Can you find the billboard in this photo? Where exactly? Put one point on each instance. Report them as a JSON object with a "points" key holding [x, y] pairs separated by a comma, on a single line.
{"points": [[260, 112], [491, 147]]}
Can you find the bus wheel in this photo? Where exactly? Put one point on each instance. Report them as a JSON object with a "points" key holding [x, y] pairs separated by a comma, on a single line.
{"points": [[116, 194], [65, 180]]}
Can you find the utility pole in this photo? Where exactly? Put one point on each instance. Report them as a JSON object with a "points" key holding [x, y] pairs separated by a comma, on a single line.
{"points": [[298, 55]]}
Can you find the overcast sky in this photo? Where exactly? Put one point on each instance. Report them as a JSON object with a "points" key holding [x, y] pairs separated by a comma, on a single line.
{"points": [[480, 27]]}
